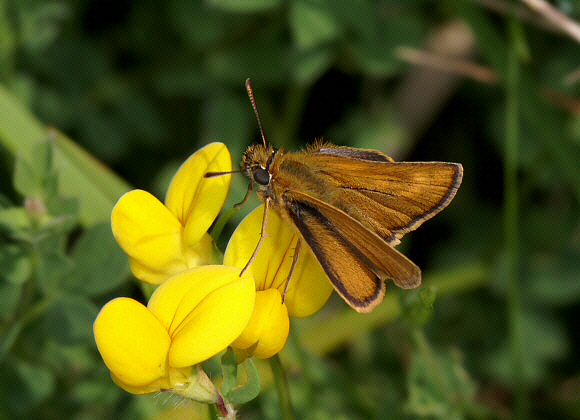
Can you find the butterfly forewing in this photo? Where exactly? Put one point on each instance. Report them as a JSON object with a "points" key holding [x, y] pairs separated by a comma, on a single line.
{"points": [[390, 198], [364, 154]]}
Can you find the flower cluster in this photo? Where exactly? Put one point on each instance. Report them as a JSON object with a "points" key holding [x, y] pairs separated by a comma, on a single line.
{"points": [[200, 306], [148, 348]]}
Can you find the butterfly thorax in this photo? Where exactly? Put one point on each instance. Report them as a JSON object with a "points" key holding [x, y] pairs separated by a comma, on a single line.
{"points": [[276, 172]]}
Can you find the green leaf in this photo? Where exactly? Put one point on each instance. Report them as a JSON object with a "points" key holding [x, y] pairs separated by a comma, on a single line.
{"points": [[140, 116], [439, 386], [380, 130], [52, 268], [24, 386], [8, 339], [489, 41], [40, 24], [35, 177], [90, 392], [545, 341], [245, 6], [233, 108], [69, 320], [546, 122], [100, 265], [201, 27], [555, 280], [249, 390], [80, 175], [310, 65], [5, 202], [96, 126], [64, 212], [26, 179], [8, 40], [42, 157], [418, 307], [229, 371], [312, 25], [375, 52], [15, 264], [14, 219], [266, 59], [10, 294]]}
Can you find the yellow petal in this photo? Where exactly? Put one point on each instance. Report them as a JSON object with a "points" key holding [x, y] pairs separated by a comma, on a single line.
{"points": [[133, 343], [204, 309], [309, 287], [200, 253], [195, 200], [268, 327], [150, 235], [174, 379]]}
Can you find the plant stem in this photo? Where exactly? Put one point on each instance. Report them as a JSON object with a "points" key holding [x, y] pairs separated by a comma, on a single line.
{"points": [[218, 226], [511, 220], [30, 315], [348, 325], [212, 412], [7, 44], [282, 388]]}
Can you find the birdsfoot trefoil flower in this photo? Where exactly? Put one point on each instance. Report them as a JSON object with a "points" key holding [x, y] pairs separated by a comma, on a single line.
{"points": [[164, 239], [189, 318], [307, 290]]}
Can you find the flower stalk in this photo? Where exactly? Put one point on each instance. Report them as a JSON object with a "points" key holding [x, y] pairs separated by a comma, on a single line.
{"points": [[282, 388]]}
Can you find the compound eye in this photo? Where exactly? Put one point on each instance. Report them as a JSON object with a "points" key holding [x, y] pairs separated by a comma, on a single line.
{"points": [[261, 176]]}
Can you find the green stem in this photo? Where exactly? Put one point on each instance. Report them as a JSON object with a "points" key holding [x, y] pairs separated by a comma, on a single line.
{"points": [[213, 413], [30, 315], [7, 44], [348, 325], [218, 226], [282, 388], [511, 220]]}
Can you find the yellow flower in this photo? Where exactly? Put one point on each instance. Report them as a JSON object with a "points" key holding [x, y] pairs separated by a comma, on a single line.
{"points": [[163, 240], [268, 328], [307, 291], [189, 318]]}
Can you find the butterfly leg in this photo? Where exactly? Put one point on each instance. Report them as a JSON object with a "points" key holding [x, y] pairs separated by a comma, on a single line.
{"points": [[236, 206], [294, 259], [262, 233]]}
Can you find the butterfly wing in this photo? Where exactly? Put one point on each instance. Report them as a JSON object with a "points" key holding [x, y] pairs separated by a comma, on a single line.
{"points": [[356, 153], [355, 259], [390, 198]]}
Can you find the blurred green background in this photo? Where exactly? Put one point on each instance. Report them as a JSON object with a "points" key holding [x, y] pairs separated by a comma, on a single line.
{"points": [[139, 85]]}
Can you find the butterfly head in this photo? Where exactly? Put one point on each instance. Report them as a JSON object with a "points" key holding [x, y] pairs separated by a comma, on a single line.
{"points": [[256, 162]]}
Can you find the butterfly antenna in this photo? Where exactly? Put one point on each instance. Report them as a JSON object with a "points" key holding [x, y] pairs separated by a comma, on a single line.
{"points": [[251, 96], [212, 174]]}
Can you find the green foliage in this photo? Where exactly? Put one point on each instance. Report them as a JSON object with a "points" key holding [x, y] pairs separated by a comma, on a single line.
{"points": [[37, 178], [245, 392], [139, 85], [439, 387], [26, 385], [419, 306], [50, 272]]}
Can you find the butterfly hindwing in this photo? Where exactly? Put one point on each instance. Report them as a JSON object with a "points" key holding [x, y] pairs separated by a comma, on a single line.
{"points": [[354, 258]]}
